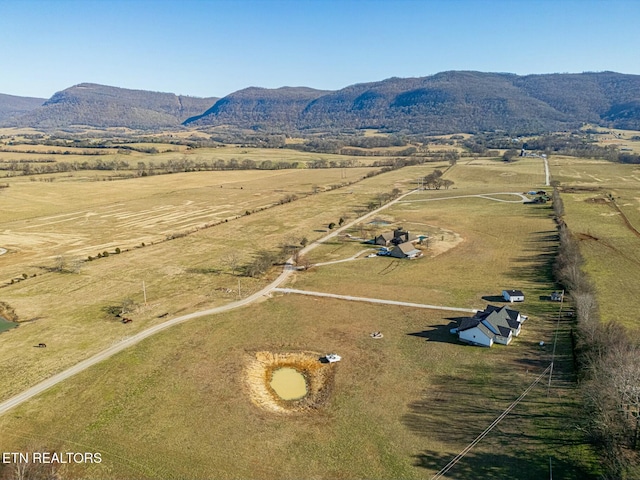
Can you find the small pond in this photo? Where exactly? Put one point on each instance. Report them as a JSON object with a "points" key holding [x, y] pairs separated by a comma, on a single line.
{"points": [[288, 383]]}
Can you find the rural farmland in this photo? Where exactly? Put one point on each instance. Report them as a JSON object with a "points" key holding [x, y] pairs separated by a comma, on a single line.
{"points": [[388, 401]]}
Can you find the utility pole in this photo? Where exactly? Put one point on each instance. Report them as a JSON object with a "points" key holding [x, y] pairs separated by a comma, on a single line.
{"points": [[144, 293]]}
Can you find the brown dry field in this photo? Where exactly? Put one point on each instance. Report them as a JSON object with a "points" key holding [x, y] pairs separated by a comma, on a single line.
{"points": [[77, 218], [68, 311], [176, 405]]}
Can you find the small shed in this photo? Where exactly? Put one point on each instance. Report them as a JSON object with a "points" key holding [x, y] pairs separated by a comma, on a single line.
{"points": [[513, 295], [557, 296]]}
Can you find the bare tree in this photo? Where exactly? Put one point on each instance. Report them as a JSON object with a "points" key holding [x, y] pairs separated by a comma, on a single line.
{"points": [[231, 259]]}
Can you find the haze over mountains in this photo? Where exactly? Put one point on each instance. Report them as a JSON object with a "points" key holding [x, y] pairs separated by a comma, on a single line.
{"points": [[447, 102]]}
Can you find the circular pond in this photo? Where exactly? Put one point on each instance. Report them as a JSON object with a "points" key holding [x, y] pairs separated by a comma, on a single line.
{"points": [[288, 383]]}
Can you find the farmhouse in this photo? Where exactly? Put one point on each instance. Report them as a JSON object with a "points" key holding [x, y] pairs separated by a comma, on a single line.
{"points": [[513, 295], [396, 237], [405, 250], [384, 239], [491, 325]]}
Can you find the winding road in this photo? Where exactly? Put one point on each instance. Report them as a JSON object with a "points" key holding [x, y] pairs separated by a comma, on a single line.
{"points": [[134, 339], [273, 286]]}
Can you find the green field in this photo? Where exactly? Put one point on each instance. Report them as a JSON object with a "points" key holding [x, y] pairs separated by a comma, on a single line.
{"points": [[608, 243], [177, 406]]}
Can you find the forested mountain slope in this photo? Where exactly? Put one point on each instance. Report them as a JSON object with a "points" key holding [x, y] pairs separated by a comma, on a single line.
{"points": [[103, 106], [11, 106], [447, 102]]}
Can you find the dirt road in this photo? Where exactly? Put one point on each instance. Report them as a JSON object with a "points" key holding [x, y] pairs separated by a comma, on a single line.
{"points": [[374, 300], [134, 339]]}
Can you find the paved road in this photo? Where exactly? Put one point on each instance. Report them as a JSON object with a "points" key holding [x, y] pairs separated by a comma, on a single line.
{"points": [[134, 339], [373, 300]]}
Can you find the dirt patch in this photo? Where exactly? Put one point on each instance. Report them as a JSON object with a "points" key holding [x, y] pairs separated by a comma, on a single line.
{"points": [[7, 312], [318, 377]]}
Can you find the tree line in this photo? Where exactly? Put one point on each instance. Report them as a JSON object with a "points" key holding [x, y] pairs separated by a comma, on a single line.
{"points": [[608, 360]]}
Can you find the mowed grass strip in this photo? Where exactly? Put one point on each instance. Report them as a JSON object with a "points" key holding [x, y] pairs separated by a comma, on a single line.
{"points": [[176, 406]]}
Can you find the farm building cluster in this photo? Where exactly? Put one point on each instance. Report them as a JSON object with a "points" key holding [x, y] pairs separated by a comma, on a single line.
{"points": [[398, 243]]}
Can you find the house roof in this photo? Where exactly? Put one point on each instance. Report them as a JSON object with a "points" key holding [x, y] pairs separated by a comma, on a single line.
{"points": [[467, 323], [503, 311], [504, 332], [386, 235], [498, 319], [493, 322], [407, 248], [515, 293], [486, 331]]}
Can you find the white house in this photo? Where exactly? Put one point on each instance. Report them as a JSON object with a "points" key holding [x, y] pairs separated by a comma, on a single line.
{"points": [[475, 333], [513, 295], [491, 325]]}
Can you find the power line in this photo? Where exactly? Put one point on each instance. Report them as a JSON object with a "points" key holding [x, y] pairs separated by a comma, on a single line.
{"points": [[555, 341], [477, 440]]}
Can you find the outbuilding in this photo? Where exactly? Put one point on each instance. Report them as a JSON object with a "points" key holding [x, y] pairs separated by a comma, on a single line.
{"points": [[513, 295], [557, 296], [405, 250]]}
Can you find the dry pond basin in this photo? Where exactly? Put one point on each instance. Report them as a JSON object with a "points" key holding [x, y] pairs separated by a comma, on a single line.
{"points": [[289, 382]]}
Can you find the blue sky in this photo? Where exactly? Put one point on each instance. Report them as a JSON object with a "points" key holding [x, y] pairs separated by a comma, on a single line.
{"points": [[215, 47]]}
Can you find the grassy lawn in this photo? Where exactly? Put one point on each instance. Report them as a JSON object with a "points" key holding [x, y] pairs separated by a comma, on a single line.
{"points": [[176, 406], [502, 246]]}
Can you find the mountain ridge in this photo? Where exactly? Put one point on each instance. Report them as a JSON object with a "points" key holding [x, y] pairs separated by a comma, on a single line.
{"points": [[105, 106], [447, 102]]}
